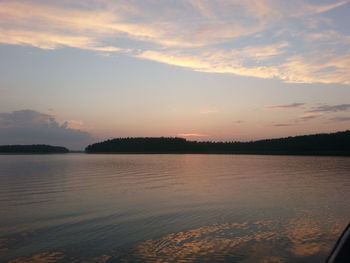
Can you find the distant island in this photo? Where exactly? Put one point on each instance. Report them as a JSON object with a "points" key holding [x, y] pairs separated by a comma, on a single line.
{"points": [[35, 148], [337, 143]]}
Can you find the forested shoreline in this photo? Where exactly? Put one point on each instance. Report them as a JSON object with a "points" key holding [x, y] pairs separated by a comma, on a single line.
{"points": [[34, 148], [318, 144]]}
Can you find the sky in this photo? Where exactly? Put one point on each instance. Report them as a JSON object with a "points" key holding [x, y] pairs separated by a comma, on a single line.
{"points": [[77, 72]]}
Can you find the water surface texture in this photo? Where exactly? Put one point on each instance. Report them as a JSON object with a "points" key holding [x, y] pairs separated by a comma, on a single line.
{"points": [[171, 208]]}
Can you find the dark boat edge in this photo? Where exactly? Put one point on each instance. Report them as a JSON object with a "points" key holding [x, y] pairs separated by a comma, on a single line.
{"points": [[341, 250]]}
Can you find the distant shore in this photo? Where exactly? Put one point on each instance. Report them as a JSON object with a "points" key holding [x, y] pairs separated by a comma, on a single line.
{"points": [[333, 144], [32, 149], [322, 153], [325, 153]]}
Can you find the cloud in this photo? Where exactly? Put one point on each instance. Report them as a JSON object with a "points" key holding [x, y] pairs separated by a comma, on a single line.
{"points": [[192, 135], [329, 108], [211, 62], [325, 8], [300, 69], [317, 67], [309, 116], [200, 35], [285, 107], [32, 127], [111, 21], [74, 124], [263, 52], [282, 124], [319, 111], [340, 119], [327, 37]]}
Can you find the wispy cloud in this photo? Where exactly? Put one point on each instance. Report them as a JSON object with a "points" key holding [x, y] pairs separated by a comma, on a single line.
{"points": [[331, 108], [282, 124], [262, 52], [340, 119], [316, 112], [286, 107], [309, 116], [317, 67], [326, 7], [212, 62], [199, 35]]}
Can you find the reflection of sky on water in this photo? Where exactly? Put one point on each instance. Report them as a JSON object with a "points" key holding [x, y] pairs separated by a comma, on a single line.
{"points": [[115, 208], [302, 239], [217, 242], [259, 242], [309, 237], [41, 258]]}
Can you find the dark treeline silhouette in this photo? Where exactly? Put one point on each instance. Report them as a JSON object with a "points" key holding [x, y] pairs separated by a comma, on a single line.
{"points": [[319, 144], [35, 148]]}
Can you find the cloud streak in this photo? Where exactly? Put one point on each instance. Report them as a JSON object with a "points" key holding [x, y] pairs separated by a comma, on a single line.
{"points": [[285, 107], [331, 108], [309, 116], [340, 119], [282, 124]]}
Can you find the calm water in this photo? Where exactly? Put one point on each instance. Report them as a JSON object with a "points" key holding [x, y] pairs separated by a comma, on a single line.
{"points": [[171, 208]]}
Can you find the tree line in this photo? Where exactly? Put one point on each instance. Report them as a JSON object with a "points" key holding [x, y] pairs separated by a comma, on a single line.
{"points": [[333, 143], [35, 148]]}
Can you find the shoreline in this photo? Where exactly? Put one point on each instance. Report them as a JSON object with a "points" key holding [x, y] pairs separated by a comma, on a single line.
{"points": [[277, 153]]}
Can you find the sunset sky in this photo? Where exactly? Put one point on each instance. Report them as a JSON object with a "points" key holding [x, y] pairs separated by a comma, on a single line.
{"points": [[77, 72]]}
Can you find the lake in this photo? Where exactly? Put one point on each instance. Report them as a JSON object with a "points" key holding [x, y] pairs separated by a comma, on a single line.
{"points": [[171, 208]]}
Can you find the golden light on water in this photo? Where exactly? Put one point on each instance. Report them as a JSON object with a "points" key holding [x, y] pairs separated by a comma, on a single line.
{"points": [[302, 238]]}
